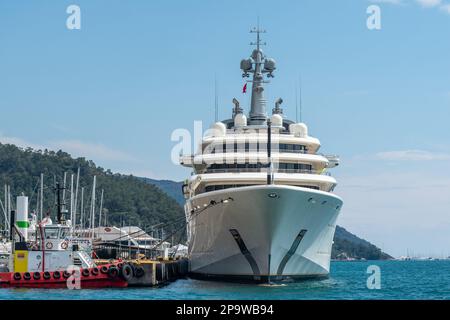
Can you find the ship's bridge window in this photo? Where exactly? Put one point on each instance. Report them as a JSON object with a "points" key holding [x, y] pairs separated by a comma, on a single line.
{"points": [[249, 167], [64, 233], [226, 186], [51, 233], [253, 146], [310, 187]]}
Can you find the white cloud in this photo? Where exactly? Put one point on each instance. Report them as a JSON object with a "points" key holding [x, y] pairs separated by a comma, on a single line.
{"points": [[412, 155], [398, 210], [19, 142], [102, 155], [90, 150], [74, 147], [445, 8], [387, 1], [429, 3]]}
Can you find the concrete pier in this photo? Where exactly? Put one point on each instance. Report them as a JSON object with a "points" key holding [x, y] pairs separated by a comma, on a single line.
{"points": [[156, 273]]}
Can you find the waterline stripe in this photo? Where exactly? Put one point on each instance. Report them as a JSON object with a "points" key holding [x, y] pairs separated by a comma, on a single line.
{"points": [[247, 254], [291, 251]]}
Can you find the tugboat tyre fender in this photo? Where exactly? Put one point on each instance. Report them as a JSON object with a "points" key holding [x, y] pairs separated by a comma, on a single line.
{"points": [[47, 275], [37, 276], [104, 269], [127, 272], [139, 272], [27, 276], [17, 276], [94, 271], [113, 272]]}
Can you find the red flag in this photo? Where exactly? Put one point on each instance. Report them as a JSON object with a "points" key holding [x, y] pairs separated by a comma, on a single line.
{"points": [[244, 89]]}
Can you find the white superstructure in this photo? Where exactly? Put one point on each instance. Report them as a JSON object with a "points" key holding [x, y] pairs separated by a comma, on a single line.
{"points": [[256, 210]]}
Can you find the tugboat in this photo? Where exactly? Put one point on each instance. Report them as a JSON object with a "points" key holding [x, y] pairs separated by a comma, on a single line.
{"points": [[54, 258]]}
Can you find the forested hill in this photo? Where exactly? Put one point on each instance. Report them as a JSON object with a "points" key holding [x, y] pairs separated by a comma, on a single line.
{"points": [[346, 245], [127, 200]]}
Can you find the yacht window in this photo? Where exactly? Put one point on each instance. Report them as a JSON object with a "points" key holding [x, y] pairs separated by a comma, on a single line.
{"points": [[51, 233], [64, 233]]}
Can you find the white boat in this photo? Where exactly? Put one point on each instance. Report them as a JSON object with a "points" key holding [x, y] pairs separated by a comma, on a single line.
{"points": [[260, 211]]}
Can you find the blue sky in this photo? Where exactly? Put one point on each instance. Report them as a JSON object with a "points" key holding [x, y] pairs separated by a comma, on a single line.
{"points": [[115, 90]]}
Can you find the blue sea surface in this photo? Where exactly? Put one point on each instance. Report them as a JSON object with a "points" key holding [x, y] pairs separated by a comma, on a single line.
{"points": [[399, 280]]}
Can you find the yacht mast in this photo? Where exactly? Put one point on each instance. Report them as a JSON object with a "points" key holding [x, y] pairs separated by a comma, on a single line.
{"points": [[258, 64]]}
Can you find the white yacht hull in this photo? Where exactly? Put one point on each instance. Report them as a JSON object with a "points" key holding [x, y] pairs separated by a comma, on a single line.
{"points": [[265, 233]]}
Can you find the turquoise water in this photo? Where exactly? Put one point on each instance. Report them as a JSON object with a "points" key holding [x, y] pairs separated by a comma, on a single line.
{"points": [[399, 280]]}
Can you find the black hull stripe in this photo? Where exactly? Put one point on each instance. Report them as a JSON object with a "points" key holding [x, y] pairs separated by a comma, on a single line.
{"points": [[291, 251], [247, 254], [262, 279]]}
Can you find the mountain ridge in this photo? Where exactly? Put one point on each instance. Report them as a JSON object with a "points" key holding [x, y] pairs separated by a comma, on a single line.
{"points": [[129, 200]]}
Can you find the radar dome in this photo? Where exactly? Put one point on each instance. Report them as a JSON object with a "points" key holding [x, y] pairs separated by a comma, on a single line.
{"points": [[298, 130], [246, 64], [219, 129], [269, 64], [240, 120], [277, 120]]}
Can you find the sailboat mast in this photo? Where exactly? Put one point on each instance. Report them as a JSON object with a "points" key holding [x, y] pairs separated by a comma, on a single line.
{"points": [[101, 210], [92, 222], [76, 198], [41, 200], [71, 198], [82, 209]]}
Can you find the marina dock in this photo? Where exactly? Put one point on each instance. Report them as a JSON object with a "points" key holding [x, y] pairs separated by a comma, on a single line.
{"points": [[155, 272]]}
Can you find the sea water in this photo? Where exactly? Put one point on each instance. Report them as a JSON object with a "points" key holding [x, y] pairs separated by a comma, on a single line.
{"points": [[348, 280]]}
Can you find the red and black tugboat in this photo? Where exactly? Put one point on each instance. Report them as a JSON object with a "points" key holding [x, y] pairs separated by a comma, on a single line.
{"points": [[53, 258]]}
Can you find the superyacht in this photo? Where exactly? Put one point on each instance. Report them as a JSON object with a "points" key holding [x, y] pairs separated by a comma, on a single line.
{"points": [[260, 205]]}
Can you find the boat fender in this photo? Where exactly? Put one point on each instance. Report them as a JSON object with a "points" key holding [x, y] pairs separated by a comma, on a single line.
{"points": [[139, 272], [49, 245], [127, 272], [104, 269], [85, 272], [17, 276], [27, 276], [113, 272], [120, 265], [64, 245], [47, 275], [94, 271], [36, 275], [56, 275], [66, 274]]}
